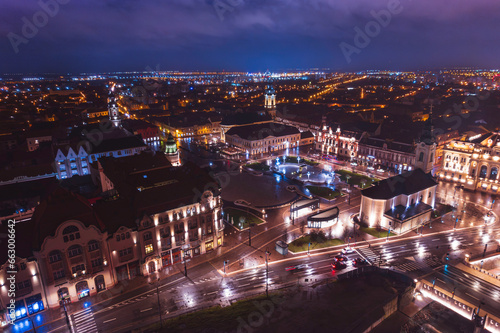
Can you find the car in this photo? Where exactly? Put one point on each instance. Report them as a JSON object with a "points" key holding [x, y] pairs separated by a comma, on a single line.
{"points": [[340, 257], [295, 267], [370, 168], [347, 250], [338, 265], [359, 262]]}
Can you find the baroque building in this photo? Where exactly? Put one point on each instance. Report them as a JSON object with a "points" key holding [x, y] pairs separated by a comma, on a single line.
{"points": [[473, 161]]}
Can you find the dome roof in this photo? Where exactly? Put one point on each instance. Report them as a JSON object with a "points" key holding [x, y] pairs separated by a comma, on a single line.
{"points": [[170, 145]]}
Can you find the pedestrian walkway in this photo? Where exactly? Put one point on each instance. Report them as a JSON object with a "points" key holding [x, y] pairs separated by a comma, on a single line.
{"points": [[368, 254], [84, 322], [420, 265]]}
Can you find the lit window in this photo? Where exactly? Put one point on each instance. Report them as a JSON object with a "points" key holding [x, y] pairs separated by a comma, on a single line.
{"points": [[148, 248]]}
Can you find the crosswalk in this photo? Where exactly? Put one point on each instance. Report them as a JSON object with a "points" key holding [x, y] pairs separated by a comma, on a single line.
{"points": [[428, 263], [84, 321], [369, 255]]}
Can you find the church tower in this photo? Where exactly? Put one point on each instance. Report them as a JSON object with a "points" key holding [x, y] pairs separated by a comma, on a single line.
{"points": [[426, 147], [113, 113], [270, 101], [171, 150]]}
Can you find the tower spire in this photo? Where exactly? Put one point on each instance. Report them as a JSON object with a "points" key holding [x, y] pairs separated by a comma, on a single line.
{"points": [[113, 113]]}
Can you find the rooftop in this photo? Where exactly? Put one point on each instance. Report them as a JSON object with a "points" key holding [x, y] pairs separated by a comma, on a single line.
{"points": [[403, 213], [406, 183], [262, 131]]}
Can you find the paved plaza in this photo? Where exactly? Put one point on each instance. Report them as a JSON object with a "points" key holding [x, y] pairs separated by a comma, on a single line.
{"points": [[259, 191]]}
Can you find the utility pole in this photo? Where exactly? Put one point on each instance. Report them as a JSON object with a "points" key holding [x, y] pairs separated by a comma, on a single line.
{"points": [[267, 274], [32, 324], [185, 265], [66, 313], [159, 304]]}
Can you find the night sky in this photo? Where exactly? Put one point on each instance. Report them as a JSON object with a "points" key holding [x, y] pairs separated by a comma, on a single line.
{"points": [[247, 35]]}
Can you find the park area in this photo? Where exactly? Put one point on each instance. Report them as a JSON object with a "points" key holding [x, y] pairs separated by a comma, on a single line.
{"points": [[376, 232], [257, 166], [293, 159], [241, 219], [324, 192], [353, 178], [318, 240]]}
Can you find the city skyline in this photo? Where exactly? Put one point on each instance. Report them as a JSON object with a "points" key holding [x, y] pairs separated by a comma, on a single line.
{"points": [[247, 36]]}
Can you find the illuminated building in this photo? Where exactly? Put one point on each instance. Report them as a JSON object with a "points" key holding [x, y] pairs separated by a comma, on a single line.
{"points": [[171, 150], [270, 101], [113, 112], [402, 202], [343, 144], [473, 161], [425, 150], [75, 159], [155, 216], [263, 138]]}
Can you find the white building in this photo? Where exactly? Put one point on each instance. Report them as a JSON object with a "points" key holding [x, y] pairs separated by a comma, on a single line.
{"points": [[263, 138], [401, 203]]}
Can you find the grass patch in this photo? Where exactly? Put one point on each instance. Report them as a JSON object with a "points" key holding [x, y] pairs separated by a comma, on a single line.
{"points": [[377, 233], [318, 241], [258, 166], [442, 209], [356, 178], [241, 218], [324, 192], [293, 159]]}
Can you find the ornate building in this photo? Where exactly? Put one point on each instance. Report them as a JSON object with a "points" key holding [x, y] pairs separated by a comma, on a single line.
{"points": [[425, 151], [270, 101], [171, 150], [399, 203], [113, 112], [473, 161], [343, 144]]}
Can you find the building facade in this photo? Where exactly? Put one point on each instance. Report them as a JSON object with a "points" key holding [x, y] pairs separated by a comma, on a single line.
{"points": [[473, 162], [387, 154], [400, 203], [343, 144], [263, 138]]}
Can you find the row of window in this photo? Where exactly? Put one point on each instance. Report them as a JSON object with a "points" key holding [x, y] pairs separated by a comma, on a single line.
{"points": [[74, 250]]}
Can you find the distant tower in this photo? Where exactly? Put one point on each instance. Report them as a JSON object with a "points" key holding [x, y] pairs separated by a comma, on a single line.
{"points": [[113, 113], [362, 93], [270, 101], [426, 147], [171, 150]]}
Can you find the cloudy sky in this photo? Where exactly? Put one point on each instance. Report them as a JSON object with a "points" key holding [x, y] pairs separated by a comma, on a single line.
{"points": [[246, 35]]}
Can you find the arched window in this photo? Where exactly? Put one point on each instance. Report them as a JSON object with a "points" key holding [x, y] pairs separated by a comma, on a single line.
{"points": [[93, 245], [74, 250], [421, 157], [493, 173], [432, 157], [70, 233], [70, 229], [147, 236], [483, 171], [55, 256]]}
